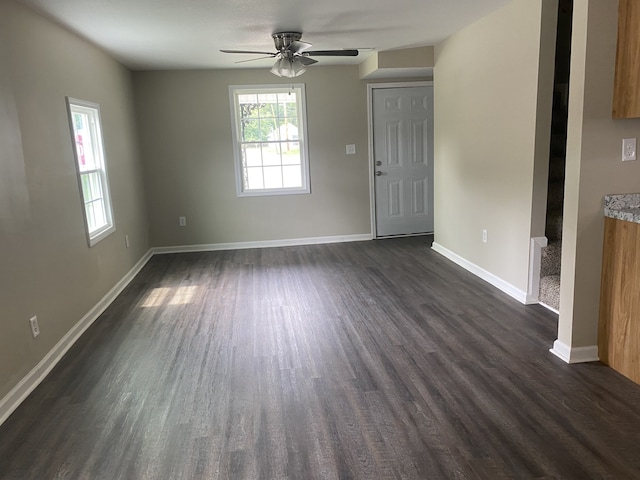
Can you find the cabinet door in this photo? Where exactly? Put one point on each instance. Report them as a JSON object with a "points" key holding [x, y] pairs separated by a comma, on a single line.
{"points": [[619, 325], [626, 89]]}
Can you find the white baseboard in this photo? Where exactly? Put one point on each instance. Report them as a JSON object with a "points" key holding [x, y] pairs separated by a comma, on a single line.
{"points": [[489, 277], [17, 395], [575, 354], [212, 247]]}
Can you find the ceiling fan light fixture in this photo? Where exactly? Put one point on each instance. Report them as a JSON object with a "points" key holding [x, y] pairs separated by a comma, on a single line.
{"points": [[292, 54], [288, 67]]}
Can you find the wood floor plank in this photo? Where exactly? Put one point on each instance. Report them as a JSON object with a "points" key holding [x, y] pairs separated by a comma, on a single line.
{"points": [[370, 360]]}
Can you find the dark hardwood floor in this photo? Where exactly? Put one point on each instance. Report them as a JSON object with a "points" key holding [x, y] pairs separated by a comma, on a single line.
{"points": [[372, 360]]}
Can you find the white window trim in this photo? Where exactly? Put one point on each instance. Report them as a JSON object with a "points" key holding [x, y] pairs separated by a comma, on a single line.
{"points": [[99, 234], [302, 138]]}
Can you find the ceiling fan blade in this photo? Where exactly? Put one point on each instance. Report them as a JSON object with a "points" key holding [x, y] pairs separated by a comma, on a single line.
{"points": [[305, 60], [249, 51], [298, 46], [331, 53], [252, 59]]}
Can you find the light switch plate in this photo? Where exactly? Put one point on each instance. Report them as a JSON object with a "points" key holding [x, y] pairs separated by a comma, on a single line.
{"points": [[628, 149]]}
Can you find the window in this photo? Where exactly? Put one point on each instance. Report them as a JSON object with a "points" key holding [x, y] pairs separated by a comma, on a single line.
{"points": [[86, 134], [269, 136]]}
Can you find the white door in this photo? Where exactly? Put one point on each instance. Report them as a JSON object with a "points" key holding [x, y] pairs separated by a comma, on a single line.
{"points": [[403, 158]]}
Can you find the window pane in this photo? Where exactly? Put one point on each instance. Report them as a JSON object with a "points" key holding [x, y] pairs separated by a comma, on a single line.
{"points": [[251, 130], [254, 178], [272, 177], [86, 187], [268, 98], [267, 109], [271, 154], [288, 131], [244, 99], [291, 176], [91, 186], [96, 185], [85, 148], [291, 154], [99, 215], [292, 111], [251, 155], [91, 223]]}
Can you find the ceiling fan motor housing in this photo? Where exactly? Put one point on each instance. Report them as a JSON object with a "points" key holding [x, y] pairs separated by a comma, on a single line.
{"points": [[283, 40]]}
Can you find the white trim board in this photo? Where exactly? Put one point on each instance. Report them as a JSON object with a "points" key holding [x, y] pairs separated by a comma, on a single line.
{"points": [[575, 354], [213, 247], [489, 277], [19, 393]]}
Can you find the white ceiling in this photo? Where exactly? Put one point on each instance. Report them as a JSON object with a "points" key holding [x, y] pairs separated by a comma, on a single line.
{"points": [[176, 34]]}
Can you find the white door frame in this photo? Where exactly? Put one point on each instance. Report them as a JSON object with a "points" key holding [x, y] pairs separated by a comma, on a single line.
{"points": [[372, 189]]}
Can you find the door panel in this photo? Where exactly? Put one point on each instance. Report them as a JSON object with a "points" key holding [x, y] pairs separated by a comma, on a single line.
{"points": [[403, 155], [395, 198], [393, 143], [420, 204]]}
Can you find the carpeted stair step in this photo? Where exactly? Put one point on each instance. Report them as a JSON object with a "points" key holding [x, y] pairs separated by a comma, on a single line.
{"points": [[551, 259], [550, 291], [555, 196], [557, 166], [553, 229], [558, 144]]}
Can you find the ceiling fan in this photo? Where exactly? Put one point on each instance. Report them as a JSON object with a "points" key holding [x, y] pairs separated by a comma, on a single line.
{"points": [[292, 55]]}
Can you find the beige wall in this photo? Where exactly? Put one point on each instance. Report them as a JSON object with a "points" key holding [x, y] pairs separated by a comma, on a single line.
{"points": [[46, 267], [185, 133], [493, 84], [594, 166]]}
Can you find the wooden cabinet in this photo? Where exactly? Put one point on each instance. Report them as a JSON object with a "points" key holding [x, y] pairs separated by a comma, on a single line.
{"points": [[626, 88], [619, 324]]}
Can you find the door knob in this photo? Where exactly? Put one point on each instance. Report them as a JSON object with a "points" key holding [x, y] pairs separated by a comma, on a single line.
{"points": [[378, 173]]}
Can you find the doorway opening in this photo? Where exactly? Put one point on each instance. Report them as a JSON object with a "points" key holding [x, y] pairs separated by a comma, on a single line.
{"points": [[552, 253]]}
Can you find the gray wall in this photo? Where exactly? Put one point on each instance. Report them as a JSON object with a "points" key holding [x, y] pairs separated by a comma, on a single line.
{"points": [[184, 123], [47, 269], [493, 89]]}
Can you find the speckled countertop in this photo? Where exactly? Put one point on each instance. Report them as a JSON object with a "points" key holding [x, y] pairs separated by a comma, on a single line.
{"points": [[623, 207]]}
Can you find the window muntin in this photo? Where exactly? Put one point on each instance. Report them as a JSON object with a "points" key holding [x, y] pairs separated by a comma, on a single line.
{"points": [[86, 133], [270, 140]]}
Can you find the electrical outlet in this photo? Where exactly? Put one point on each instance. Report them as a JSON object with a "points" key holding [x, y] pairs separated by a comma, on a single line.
{"points": [[628, 149], [182, 221], [351, 149], [484, 235], [35, 329]]}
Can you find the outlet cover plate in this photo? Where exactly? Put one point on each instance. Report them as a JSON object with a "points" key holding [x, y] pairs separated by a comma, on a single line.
{"points": [[35, 328], [628, 149]]}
